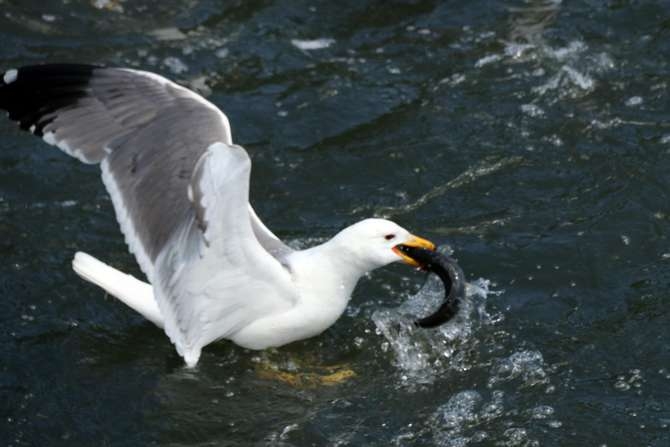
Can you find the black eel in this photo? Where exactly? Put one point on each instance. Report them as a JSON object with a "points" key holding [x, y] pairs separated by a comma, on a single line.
{"points": [[452, 277]]}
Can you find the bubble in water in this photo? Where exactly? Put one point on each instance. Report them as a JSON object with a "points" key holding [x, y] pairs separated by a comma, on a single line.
{"points": [[542, 412], [515, 436], [495, 408], [634, 380], [526, 365], [451, 419], [621, 384], [460, 409]]}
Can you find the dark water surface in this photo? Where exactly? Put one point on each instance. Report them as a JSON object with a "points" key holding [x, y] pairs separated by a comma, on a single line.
{"points": [[533, 137]]}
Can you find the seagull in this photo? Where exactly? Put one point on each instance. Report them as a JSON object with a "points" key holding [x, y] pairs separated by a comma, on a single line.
{"points": [[180, 190]]}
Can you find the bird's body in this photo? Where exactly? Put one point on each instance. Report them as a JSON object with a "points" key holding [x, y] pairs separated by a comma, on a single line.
{"points": [[180, 190], [321, 295]]}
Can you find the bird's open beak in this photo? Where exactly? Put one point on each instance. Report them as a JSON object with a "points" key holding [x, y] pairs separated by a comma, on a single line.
{"points": [[416, 242]]}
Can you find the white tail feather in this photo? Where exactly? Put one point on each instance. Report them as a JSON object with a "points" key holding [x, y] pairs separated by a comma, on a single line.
{"points": [[137, 294]]}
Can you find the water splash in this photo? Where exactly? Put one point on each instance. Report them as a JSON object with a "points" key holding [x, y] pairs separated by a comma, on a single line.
{"points": [[422, 355], [469, 418], [460, 421], [526, 366]]}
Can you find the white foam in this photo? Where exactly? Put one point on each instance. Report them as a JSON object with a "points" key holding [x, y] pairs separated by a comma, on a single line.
{"points": [[562, 54], [532, 110], [176, 65], [517, 50], [10, 76], [634, 101], [170, 33], [316, 44], [541, 412], [581, 80], [486, 60], [568, 82]]}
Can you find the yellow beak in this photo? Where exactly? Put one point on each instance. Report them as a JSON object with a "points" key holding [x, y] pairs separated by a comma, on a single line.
{"points": [[417, 242]]}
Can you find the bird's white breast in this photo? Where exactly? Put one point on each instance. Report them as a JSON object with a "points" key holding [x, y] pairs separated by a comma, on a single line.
{"points": [[324, 287]]}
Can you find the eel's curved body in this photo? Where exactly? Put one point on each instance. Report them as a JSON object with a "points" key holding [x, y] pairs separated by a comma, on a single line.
{"points": [[452, 277]]}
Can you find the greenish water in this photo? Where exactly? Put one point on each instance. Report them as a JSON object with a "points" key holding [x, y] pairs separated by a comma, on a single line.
{"points": [[533, 137]]}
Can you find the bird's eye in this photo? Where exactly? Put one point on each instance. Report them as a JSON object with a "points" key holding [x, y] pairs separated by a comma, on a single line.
{"points": [[389, 237]]}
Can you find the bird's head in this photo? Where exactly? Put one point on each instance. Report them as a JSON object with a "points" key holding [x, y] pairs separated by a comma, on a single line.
{"points": [[378, 242]]}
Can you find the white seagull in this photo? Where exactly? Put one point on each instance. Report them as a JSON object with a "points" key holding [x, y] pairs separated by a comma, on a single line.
{"points": [[180, 190]]}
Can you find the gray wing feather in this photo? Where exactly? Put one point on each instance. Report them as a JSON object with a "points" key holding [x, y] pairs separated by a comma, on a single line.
{"points": [[214, 277], [147, 131]]}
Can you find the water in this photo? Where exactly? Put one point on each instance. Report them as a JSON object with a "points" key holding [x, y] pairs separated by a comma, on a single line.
{"points": [[531, 136]]}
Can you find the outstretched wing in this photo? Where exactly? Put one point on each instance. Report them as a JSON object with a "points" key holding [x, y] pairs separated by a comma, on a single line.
{"points": [[147, 133], [214, 277]]}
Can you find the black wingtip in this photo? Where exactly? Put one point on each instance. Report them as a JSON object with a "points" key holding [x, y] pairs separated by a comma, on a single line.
{"points": [[33, 94]]}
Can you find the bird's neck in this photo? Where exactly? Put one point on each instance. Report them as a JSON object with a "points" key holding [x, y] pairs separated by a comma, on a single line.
{"points": [[326, 273]]}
